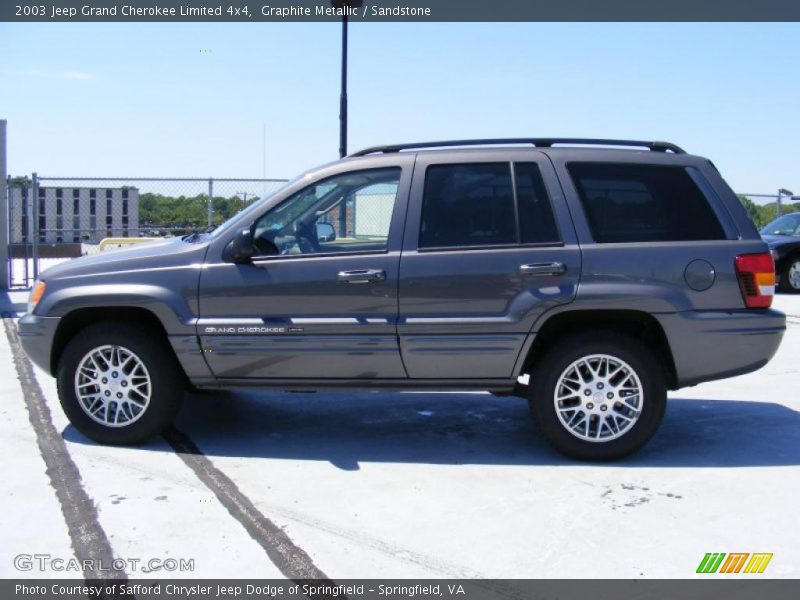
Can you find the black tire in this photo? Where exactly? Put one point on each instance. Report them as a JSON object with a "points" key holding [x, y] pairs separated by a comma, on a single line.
{"points": [[166, 382], [785, 281], [547, 371]]}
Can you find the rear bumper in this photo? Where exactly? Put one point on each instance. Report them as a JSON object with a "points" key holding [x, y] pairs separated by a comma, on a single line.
{"points": [[708, 345], [36, 336]]}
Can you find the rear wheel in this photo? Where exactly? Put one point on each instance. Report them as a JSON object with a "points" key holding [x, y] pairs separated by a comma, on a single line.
{"points": [[790, 275], [119, 384], [598, 396]]}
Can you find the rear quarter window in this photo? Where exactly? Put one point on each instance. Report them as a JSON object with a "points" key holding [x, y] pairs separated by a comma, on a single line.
{"points": [[643, 203]]}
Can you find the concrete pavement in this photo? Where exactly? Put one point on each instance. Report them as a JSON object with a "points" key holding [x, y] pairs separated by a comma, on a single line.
{"points": [[424, 485]]}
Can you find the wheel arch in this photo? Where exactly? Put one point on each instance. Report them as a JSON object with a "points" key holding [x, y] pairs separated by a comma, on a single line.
{"points": [[76, 320], [638, 324]]}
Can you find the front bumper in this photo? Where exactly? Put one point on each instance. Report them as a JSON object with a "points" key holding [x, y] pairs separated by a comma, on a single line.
{"points": [[708, 345], [36, 335]]}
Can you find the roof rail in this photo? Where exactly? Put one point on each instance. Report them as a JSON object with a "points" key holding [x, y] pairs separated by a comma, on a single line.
{"points": [[538, 142]]}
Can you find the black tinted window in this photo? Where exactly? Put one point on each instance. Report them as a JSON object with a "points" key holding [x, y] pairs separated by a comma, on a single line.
{"points": [[643, 203], [468, 205], [536, 222]]}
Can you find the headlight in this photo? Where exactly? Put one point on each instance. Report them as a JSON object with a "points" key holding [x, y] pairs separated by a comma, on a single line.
{"points": [[36, 294]]}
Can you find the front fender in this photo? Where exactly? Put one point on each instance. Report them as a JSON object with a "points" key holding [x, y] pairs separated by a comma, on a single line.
{"points": [[170, 306]]}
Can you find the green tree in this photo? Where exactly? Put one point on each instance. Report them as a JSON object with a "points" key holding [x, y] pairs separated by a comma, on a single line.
{"points": [[185, 212], [19, 182], [753, 211], [769, 212]]}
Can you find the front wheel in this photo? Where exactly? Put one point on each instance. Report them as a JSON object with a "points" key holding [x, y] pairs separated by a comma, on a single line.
{"points": [[598, 396], [119, 384]]}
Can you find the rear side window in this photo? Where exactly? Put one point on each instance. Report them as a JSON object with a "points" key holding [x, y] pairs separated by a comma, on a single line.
{"points": [[468, 205], [473, 204], [643, 203]]}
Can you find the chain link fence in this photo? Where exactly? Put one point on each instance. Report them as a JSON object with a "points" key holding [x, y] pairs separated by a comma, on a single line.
{"points": [[52, 219]]}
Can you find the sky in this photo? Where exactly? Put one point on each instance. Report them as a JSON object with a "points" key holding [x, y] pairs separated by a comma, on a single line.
{"points": [[194, 100]]}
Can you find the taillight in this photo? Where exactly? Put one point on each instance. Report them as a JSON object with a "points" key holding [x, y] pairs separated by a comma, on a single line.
{"points": [[756, 273]]}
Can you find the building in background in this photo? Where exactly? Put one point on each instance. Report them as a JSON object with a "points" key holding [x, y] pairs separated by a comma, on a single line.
{"points": [[72, 215], [366, 214]]}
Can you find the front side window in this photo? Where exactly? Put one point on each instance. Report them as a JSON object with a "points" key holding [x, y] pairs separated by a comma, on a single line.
{"points": [[643, 203], [350, 212]]}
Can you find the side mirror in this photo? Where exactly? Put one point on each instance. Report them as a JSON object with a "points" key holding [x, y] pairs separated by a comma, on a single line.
{"points": [[325, 232], [239, 249]]}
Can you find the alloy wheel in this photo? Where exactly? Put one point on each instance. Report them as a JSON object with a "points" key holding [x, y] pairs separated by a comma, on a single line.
{"points": [[113, 386], [794, 275], [598, 398]]}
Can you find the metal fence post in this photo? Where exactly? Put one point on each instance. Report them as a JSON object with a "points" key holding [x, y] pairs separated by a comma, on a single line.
{"points": [[9, 231], [5, 215], [27, 234], [210, 207], [34, 223], [778, 208]]}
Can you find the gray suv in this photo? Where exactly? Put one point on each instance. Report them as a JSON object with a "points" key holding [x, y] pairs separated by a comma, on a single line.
{"points": [[588, 276]]}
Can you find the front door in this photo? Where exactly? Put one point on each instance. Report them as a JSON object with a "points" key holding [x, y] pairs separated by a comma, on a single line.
{"points": [[491, 248], [319, 299]]}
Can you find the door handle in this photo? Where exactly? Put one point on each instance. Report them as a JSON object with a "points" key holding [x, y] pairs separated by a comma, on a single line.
{"points": [[542, 269], [362, 276]]}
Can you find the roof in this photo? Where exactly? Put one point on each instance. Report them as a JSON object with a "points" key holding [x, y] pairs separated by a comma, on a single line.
{"points": [[653, 146]]}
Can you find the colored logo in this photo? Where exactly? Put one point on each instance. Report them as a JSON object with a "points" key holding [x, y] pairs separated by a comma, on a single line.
{"points": [[735, 562]]}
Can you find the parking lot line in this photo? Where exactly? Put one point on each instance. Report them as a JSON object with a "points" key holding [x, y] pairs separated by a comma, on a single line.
{"points": [[89, 541], [293, 562], [81, 511], [439, 485], [33, 520]]}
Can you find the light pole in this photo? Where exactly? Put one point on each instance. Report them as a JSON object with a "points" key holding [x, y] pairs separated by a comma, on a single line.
{"points": [[244, 196], [344, 5], [782, 192]]}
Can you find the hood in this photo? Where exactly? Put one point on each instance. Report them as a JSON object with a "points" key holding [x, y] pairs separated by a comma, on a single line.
{"points": [[774, 241], [165, 253]]}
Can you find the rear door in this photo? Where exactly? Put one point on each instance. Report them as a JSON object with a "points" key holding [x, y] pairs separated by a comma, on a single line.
{"points": [[488, 246]]}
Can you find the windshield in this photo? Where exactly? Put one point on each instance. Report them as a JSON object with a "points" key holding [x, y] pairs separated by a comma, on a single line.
{"points": [[785, 225], [252, 208]]}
